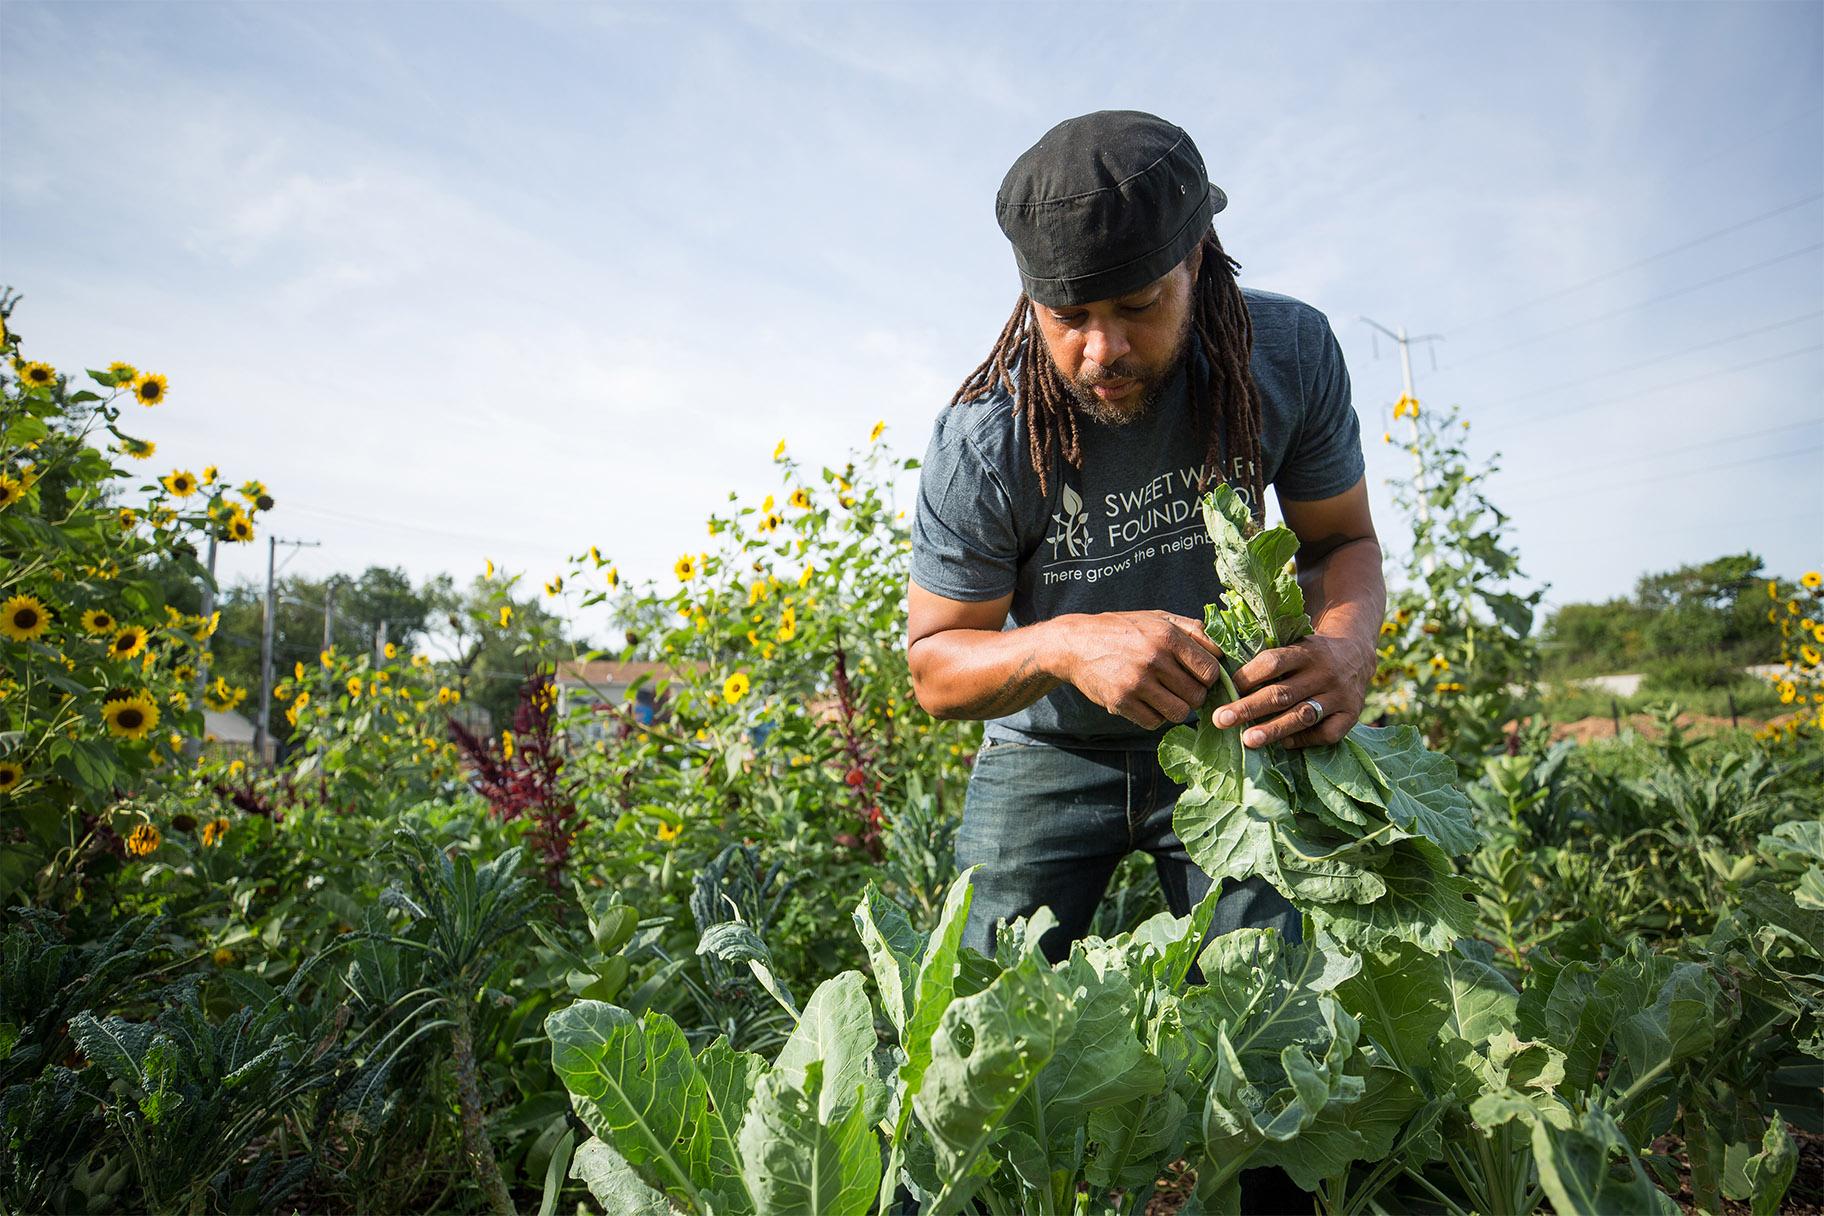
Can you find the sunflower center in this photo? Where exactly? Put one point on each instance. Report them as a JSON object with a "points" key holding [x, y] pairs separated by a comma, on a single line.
{"points": [[25, 618], [130, 718]]}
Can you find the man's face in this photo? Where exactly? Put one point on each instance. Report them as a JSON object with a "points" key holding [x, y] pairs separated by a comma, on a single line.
{"points": [[1118, 354]]}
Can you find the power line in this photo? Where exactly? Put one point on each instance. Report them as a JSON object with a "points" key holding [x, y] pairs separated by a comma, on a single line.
{"points": [[1509, 425], [1736, 146], [1648, 260], [1682, 351], [1635, 307], [401, 525], [1713, 441], [1708, 469]]}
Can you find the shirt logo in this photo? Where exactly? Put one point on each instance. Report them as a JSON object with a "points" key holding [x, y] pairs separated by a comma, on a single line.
{"points": [[1073, 526]]}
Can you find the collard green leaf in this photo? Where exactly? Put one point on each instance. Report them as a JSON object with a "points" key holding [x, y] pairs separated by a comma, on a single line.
{"points": [[1421, 791], [614, 1183], [1482, 1001], [1402, 996], [836, 1032], [1345, 1132], [1425, 903], [894, 948], [1588, 1170], [635, 1085], [1252, 566], [1099, 1064], [988, 1051], [1359, 833], [1762, 1178], [729, 1077], [798, 1164]]}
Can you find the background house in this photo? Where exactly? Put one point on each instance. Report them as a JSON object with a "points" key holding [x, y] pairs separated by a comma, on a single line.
{"points": [[611, 682]]}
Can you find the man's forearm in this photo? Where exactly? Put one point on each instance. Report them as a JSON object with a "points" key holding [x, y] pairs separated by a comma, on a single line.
{"points": [[1345, 593], [987, 673]]}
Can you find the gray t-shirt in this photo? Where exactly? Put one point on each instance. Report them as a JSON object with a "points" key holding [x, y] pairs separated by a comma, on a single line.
{"points": [[1125, 533]]}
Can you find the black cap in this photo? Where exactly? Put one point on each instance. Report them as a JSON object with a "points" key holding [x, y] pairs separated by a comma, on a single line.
{"points": [[1103, 205]]}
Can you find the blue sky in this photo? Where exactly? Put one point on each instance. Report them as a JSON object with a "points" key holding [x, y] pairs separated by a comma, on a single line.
{"points": [[465, 280]]}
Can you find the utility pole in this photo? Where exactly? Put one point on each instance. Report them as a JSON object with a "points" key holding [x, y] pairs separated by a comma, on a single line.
{"points": [[194, 747], [1409, 406], [260, 733], [329, 614], [380, 642]]}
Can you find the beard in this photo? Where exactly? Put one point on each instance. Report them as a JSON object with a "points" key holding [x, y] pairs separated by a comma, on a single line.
{"points": [[1137, 405]]}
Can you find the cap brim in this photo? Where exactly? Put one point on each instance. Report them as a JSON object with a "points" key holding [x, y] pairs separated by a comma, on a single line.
{"points": [[1218, 200]]}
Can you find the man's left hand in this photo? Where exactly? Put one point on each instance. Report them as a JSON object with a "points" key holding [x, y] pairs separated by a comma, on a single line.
{"points": [[1277, 684]]}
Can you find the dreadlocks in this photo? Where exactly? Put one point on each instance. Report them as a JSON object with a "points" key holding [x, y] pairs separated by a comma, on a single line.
{"points": [[1230, 406]]}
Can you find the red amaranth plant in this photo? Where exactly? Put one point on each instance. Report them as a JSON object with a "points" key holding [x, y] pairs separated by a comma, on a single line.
{"points": [[863, 785], [523, 777]]}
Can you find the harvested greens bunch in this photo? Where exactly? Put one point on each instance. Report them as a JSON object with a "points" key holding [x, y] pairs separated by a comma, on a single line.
{"points": [[1358, 834]]}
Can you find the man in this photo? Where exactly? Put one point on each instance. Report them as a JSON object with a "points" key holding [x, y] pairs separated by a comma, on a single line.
{"points": [[1060, 565]]}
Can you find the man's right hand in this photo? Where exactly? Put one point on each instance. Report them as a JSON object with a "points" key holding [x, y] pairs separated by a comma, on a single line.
{"points": [[1152, 668]]}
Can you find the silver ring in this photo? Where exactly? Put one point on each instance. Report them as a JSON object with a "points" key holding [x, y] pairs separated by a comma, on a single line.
{"points": [[1316, 708]]}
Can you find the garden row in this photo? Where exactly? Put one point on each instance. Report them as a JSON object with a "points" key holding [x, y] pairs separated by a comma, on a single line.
{"points": [[711, 961]]}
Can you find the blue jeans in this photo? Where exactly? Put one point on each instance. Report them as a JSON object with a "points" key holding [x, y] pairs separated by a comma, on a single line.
{"points": [[1048, 825]]}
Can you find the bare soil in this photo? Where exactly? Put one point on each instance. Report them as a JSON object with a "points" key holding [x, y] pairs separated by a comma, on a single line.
{"points": [[1583, 730]]}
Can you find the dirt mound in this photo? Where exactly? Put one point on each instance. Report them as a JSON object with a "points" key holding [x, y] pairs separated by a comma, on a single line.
{"points": [[1585, 729]]}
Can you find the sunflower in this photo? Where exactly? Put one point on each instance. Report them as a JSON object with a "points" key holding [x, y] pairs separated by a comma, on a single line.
{"points": [[880, 429], [128, 642], [238, 529], [614, 576], [252, 490], [149, 388], [779, 452], [38, 375], [506, 745], [770, 523], [354, 686], [1811, 655], [555, 586], [390, 650], [181, 483], [261, 501], [98, 620], [1811, 580], [734, 688], [213, 831], [506, 615], [10, 491], [801, 498], [685, 568], [11, 774], [24, 617], [788, 624], [144, 840], [131, 716], [804, 579], [1439, 663], [669, 832]]}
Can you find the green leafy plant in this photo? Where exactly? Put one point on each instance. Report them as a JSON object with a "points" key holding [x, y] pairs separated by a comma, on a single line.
{"points": [[1457, 655], [1359, 833]]}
